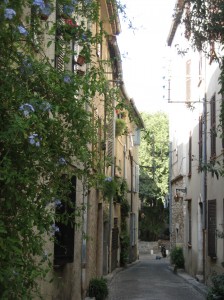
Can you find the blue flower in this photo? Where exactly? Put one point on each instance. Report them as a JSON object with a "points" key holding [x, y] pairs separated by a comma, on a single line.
{"points": [[34, 140], [62, 161], [9, 13], [26, 67], [68, 9], [67, 79], [39, 3], [57, 202], [26, 109], [109, 179], [46, 10], [84, 37], [45, 106], [22, 30], [54, 229]]}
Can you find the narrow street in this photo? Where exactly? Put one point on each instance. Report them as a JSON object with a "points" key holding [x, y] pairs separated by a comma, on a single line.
{"points": [[151, 278]]}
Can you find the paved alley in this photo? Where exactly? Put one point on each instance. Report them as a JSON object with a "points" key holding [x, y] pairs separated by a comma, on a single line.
{"points": [[152, 279]]}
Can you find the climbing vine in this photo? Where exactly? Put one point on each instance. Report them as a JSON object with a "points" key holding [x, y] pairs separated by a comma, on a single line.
{"points": [[46, 129]]}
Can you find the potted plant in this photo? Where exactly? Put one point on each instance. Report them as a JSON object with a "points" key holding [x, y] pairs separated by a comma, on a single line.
{"points": [[109, 187], [98, 288], [81, 60], [45, 12]]}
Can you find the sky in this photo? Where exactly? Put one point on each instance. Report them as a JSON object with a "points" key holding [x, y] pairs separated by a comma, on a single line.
{"points": [[143, 51]]}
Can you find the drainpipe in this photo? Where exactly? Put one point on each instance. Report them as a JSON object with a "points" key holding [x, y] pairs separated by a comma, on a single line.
{"points": [[204, 178], [170, 190], [131, 212], [111, 200]]}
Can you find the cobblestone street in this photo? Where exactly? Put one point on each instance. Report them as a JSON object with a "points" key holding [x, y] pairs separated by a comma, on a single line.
{"points": [[153, 279]]}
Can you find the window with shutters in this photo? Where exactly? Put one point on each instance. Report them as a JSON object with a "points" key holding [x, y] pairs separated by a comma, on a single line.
{"points": [[212, 228], [213, 126], [60, 44], [135, 177], [222, 120], [200, 136], [137, 137], [110, 139], [64, 237], [190, 155]]}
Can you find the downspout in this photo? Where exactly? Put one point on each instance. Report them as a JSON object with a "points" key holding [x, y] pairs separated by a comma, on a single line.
{"points": [[170, 190], [131, 212], [204, 190], [111, 199]]}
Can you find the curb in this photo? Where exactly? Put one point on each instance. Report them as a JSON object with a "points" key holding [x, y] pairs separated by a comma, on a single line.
{"points": [[111, 275], [200, 287]]}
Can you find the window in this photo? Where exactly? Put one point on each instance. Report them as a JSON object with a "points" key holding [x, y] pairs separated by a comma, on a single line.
{"points": [[64, 238], [213, 126], [137, 137], [212, 228], [222, 120], [135, 177]]}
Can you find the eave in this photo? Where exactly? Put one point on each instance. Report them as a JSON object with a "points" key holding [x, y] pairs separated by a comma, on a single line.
{"points": [[179, 6]]}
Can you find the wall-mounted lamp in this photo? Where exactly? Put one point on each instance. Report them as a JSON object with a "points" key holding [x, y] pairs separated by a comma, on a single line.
{"points": [[182, 190]]}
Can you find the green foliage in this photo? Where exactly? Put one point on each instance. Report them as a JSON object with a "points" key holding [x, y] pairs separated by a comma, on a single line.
{"points": [[154, 155], [153, 222], [124, 244], [217, 290], [109, 187], [46, 131], [120, 127], [98, 288], [177, 257]]}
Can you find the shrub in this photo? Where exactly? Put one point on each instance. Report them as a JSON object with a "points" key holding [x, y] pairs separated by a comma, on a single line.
{"points": [[217, 290], [98, 288], [177, 257]]}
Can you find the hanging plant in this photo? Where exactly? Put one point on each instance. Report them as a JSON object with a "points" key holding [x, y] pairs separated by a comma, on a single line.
{"points": [[44, 12], [120, 127], [109, 187]]}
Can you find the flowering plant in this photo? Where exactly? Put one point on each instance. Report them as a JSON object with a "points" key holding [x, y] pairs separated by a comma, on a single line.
{"points": [[45, 128]]}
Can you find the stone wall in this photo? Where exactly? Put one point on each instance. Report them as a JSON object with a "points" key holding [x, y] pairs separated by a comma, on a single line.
{"points": [[146, 247]]}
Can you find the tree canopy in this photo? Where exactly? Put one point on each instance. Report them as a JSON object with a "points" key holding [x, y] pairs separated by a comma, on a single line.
{"points": [[154, 151]]}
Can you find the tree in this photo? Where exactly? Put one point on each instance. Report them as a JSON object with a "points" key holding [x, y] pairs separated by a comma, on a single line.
{"points": [[153, 181]]}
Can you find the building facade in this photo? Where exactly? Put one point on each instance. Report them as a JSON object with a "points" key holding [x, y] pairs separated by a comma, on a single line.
{"points": [[196, 145]]}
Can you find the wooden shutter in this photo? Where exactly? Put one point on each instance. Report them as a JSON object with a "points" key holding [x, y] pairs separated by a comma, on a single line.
{"points": [[188, 81], [110, 139], [212, 228], [60, 43], [213, 126]]}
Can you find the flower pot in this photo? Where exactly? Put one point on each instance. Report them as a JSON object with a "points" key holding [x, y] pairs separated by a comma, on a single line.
{"points": [[80, 60]]}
